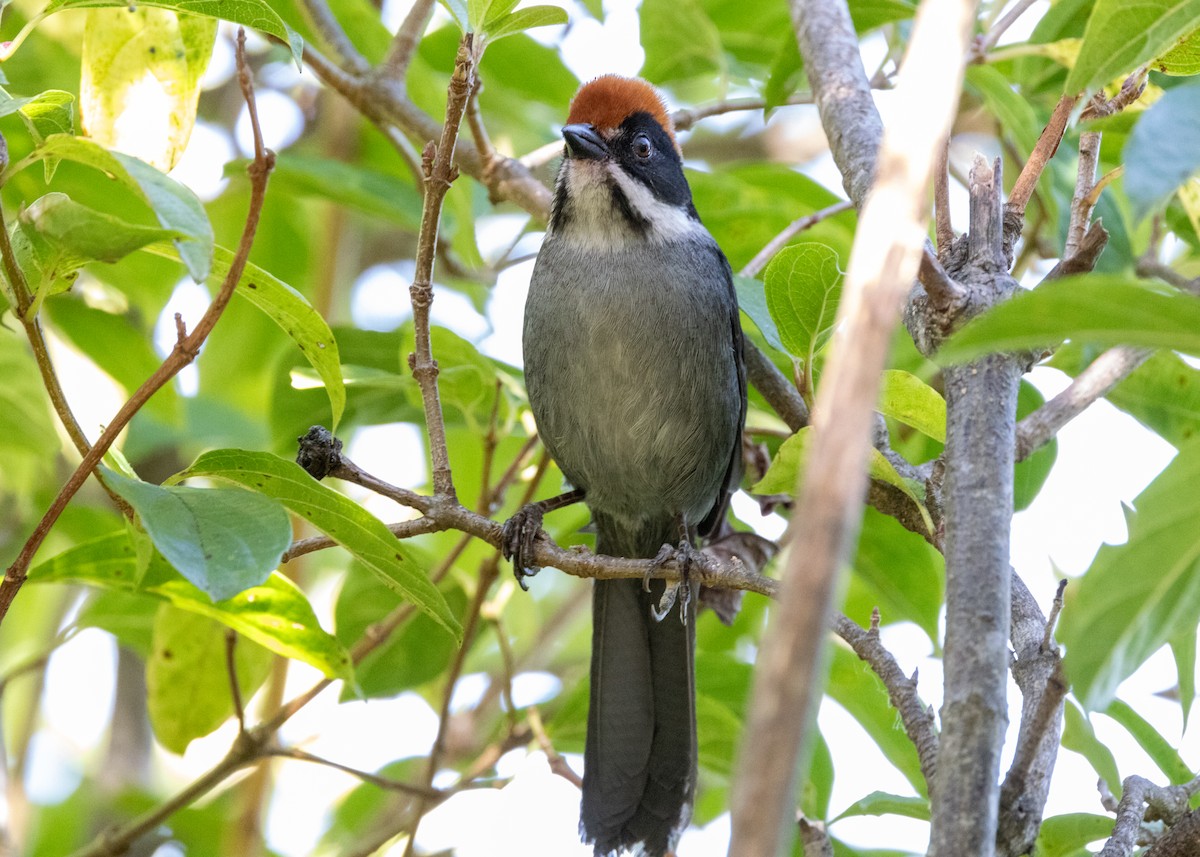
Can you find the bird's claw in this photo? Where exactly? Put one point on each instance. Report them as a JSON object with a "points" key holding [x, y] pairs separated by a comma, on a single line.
{"points": [[518, 539], [685, 555]]}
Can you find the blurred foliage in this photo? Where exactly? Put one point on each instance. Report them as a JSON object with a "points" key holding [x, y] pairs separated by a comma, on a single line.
{"points": [[105, 241]]}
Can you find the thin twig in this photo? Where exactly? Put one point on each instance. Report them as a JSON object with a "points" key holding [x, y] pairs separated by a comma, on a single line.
{"points": [[916, 716], [231, 669], [183, 353], [943, 228], [1104, 373], [985, 43], [944, 293], [430, 794], [800, 224], [404, 44], [1168, 802], [1043, 151], [488, 573], [1085, 180], [321, 18], [557, 763], [440, 171]]}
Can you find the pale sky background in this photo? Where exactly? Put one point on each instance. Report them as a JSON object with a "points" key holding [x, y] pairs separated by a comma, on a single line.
{"points": [[1105, 458]]}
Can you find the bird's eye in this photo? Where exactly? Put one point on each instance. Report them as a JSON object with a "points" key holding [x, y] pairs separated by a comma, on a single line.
{"points": [[642, 147]]}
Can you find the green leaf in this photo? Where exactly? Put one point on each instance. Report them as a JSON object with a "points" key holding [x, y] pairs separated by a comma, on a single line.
{"points": [[275, 615], [1183, 648], [176, 207], [56, 236], [334, 514], [51, 112], [903, 575], [906, 398], [222, 540], [882, 803], [1064, 835], [803, 285], [416, 653], [526, 19], [1183, 59], [1121, 35], [1112, 620], [1163, 151], [292, 312], [255, 14], [141, 79], [1102, 309], [27, 430], [1156, 746], [786, 468], [680, 41], [752, 298], [188, 686], [1079, 737]]}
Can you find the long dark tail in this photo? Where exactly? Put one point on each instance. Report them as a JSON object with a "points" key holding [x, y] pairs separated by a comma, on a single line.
{"points": [[640, 760]]}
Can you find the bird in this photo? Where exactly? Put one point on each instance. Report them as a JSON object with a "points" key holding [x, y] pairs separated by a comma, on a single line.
{"points": [[633, 361]]}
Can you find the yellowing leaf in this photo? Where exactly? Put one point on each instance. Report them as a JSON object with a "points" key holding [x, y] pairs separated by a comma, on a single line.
{"points": [[141, 79]]}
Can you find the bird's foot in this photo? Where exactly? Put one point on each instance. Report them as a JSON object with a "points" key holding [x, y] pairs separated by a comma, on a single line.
{"points": [[518, 538], [685, 555]]}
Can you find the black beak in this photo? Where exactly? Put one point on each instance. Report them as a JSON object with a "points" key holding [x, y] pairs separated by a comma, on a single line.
{"points": [[584, 143]]}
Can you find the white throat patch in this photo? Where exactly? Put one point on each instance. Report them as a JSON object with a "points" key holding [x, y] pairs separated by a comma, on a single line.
{"points": [[595, 223]]}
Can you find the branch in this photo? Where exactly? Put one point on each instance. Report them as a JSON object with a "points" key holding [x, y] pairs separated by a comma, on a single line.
{"points": [[981, 400], [404, 43], [883, 263], [1085, 180], [1043, 151], [1138, 794], [1037, 670], [321, 18], [439, 171], [184, 352], [841, 90], [916, 716], [767, 253]]}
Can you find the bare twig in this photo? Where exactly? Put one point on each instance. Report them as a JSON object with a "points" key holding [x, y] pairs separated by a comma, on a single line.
{"points": [[1085, 180], [235, 690], [1043, 151], [440, 171], [557, 763], [430, 794], [916, 716], [981, 402], [944, 293], [767, 253], [985, 43], [322, 20], [1169, 803], [815, 838], [1104, 373], [408, 36], [883, 264], [184, 352], [943, 228], [1037, 670]]}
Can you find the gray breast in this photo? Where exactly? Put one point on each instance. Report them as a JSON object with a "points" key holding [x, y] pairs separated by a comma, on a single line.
{"points": [[630, 366]]}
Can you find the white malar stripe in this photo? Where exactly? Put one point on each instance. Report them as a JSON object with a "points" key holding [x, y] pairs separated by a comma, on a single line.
{"points": [[596, 225]]}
